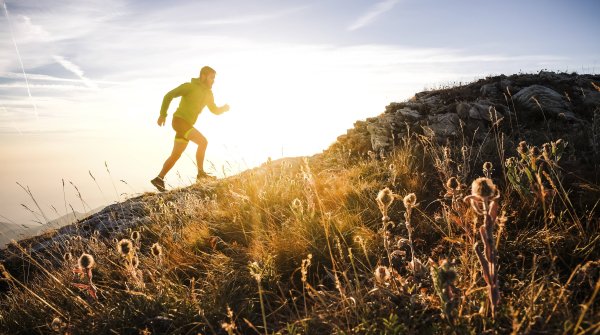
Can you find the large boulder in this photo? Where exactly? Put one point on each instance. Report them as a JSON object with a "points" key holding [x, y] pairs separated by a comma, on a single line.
{"points": [[540, 101]]}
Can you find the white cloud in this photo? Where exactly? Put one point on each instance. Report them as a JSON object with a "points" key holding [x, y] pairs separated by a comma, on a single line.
{"points": [[372, 13], [75, 70]]}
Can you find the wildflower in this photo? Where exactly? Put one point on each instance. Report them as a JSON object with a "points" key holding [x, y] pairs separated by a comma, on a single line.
{"points": [[125, 247], [547, 151], [382, 274], [304, 268], [384, 199], [135, 261], [135, 236], [67, 257], [487, 169], [452, 184], [522, 148], [510, 163], [86, 261], [410, 201], [534, 152], [58, 325], [484, 188], [156, 250]]}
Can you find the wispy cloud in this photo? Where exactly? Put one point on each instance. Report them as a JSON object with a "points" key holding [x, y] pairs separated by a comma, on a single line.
{"points": [[252, 18], [76, 70], [378, 9]]}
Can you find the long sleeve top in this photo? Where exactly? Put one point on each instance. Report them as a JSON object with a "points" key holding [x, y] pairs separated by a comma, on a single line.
{"points": [[195, 95]]}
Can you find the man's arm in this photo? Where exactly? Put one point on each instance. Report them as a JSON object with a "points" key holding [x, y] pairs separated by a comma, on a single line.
{"points": [[214, 109], [177, 92]]}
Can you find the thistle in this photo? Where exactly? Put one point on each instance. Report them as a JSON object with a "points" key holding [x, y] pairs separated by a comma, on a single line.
{"points": [[135, 236], [125, 247], [382, 275], [410, 201], [385, 198], [487, 169], [85, 264], [156, 250], [483, 199]]}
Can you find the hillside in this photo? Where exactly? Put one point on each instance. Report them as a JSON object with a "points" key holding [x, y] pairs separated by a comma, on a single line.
{"points": [[466, 209]]}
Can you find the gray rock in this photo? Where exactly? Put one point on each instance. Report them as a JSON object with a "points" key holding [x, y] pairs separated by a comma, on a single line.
{"points": [[380, 131], [462, 110], [489, 90], [444, 125], [408, 115], [484, 111], [551, 102]]}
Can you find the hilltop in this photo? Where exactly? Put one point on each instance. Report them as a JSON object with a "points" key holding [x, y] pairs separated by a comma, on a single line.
{"points": [[371, 236]]}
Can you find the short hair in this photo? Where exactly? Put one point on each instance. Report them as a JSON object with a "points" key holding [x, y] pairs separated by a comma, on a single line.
{"points": [[206, 71]]}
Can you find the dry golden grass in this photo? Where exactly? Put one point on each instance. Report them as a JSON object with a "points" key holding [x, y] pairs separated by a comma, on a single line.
{"points": [[235, 256]]}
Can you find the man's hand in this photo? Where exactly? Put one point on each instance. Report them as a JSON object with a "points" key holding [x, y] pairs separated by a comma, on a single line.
{"points": [[161, 120]]}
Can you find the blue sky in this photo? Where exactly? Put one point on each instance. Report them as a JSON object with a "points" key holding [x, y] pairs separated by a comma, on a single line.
{"points": [[296, 73]]}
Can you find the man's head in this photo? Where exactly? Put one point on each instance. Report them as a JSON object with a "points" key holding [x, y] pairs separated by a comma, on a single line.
{"points": [[207, 75]]}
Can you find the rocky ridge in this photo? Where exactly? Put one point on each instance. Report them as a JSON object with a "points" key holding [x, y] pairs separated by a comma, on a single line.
{"points": [[532, 107]]}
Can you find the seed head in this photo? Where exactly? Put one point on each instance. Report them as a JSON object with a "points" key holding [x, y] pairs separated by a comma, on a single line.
{"points": [[58, 325], [465, 151], [547, 151], [135, 261], [483, 187], [135, 235], [385, 198], [382, 274], [522, 148], [510, 162], [410, 200], [487, 166], [156, 250], [67, 257], [452, 183], [86, 261], [125, 247], [534, 151]]}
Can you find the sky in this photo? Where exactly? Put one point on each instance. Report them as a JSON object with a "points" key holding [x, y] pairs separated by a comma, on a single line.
{"points": [[81, 82]]}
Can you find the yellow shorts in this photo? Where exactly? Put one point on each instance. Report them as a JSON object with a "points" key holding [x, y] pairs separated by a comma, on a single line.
{"points": [[182, 129]]}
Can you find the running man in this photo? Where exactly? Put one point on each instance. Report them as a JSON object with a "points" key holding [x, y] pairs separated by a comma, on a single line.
{"points": [[195, 95]]}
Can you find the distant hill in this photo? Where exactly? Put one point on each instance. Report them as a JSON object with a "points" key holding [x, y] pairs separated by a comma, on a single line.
{"points": [[10, 231]]}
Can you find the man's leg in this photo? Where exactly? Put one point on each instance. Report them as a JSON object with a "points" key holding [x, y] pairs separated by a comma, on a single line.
{"points": [[196, 137], [178, 148]]}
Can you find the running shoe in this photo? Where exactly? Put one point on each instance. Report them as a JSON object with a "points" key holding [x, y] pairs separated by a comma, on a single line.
{"points": [[159, 183]]}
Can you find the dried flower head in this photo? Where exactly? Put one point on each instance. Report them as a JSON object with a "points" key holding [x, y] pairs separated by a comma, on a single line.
{"points": [[510, 162], [86, 261], [483, 187], [384, 199], [410, 200], [522, 148], [547, 151], [58, 325], [135, 261], [135, 236], [487, 166], [534, 151], [67, 256], [125, 247], [156, 250], [382, 274], [452, 183]]}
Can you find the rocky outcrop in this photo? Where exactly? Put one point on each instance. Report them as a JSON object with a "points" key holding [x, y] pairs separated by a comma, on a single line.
{"points": [[560, 104]]}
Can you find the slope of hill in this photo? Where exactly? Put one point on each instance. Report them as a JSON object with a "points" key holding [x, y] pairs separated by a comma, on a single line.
{"points": [[469, 209]]}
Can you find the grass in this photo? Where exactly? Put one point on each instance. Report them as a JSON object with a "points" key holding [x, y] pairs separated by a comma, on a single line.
{"points": [[302, 246]]}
